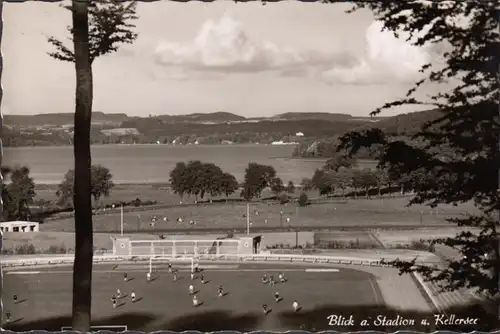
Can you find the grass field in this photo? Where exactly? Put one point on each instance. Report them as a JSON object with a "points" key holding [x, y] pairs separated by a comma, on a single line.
{"points": [[145, 192], [45, 298], [231, 215]]}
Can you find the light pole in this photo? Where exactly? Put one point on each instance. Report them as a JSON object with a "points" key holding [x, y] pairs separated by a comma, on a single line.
{"points": [[281, 218], [248, 218]]}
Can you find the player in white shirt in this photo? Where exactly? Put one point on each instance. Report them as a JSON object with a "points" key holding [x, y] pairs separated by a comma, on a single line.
{"points": [[295, 306], [195, 301], [192, 276], [175, 276], [118, 293], [191, 289], [148, 276], [220, 291], [282, 278], [132, 296]]}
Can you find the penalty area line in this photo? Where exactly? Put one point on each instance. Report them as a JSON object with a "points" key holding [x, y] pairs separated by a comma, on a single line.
{"points": [[22, 273]]}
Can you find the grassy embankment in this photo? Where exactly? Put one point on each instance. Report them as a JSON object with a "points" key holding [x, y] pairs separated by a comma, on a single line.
{"points": [[57, 235]]}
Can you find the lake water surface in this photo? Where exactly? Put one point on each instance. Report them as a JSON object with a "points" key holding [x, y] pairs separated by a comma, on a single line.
{"points": [[153, 163]]}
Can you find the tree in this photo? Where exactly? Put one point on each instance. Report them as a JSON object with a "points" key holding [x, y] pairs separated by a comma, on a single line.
{"points": [[228, 184], [257, 178], [102, 182], [101, 185], [18, 194], [323, 181], [339, 161], [467, 128], [306, 184], [178, 179], [290, 187], [303, 200], [277, 186], [210, 180], [97, 29]]}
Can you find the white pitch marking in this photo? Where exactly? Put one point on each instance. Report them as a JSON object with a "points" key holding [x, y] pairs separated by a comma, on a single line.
{"points": [[166, 271], [139, 266], [22, 272], [321, 270]]}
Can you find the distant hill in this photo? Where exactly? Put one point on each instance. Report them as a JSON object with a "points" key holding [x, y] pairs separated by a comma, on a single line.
{"points": [[406, 124], [403, 126], [60, 119], [211, 128], [219, 116], [331, 117]]}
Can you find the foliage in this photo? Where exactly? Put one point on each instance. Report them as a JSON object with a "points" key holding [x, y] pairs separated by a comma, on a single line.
{"points": [[198, 178], [306, 184], [303, 200], [283, 199], [323, 181], [257, 178], [290, 187], [101, 185], [109, 26], [18, 194], [459, 158], [277, 186], [339, 161]]}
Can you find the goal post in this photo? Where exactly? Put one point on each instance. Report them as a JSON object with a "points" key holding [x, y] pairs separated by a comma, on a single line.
{"points": [[188, 261]]}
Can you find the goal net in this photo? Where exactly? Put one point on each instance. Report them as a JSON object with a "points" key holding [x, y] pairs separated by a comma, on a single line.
{"points": [[160, 263]]}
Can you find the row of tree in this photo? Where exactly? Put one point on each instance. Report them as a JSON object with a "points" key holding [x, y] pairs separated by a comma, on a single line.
{"points": [[199, 179], [18, 195]]}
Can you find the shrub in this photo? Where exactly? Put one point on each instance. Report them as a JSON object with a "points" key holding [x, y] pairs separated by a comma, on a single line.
{"points": [[60, 249], [303, 200], [25, 249], [283, 199]]}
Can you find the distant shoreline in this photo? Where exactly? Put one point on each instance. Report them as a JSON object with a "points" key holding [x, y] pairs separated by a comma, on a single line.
{"points": [[150, 144]]}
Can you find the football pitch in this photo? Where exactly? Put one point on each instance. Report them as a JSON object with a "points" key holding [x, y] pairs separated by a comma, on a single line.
{"points": [[44, 297]]}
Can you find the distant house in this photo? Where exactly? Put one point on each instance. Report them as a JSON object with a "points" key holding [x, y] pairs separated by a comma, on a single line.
{"points": [[299, 134], [19, 226]]}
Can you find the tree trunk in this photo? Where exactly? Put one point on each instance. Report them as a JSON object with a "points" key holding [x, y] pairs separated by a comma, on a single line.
{"points": [[82, 268]]}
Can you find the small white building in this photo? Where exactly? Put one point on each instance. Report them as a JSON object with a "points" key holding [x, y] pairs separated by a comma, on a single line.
{"points": [[19, 226], [299, 134]]}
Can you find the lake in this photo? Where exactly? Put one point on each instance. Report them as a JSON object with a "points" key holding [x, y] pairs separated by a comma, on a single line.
{"points": [[153, 163]]}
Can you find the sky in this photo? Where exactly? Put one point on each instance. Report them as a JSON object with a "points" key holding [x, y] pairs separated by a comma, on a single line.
{"points": [[243, 58]]}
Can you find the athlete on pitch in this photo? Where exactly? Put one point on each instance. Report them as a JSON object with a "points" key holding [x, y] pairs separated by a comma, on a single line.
{"points": [[282, 278], [132, 296], [220, 291], [195, 301]]}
